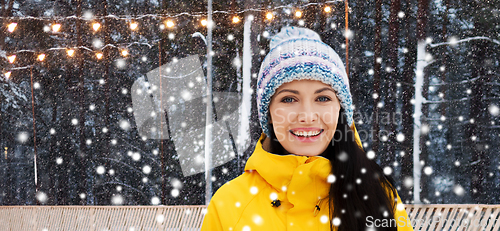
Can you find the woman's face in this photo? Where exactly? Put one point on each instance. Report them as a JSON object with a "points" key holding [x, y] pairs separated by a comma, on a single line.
{"points": [[304, 116]]}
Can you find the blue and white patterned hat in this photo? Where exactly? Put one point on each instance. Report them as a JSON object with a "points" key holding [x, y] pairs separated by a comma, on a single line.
{"points": [[295, 54]]}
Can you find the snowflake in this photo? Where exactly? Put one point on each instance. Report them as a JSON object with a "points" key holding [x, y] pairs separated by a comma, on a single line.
{"points": [[121, 63], [125, 125], [42, 197], [336, 221], [428, 170], [155, 201], [387, 170], [146, 169], [459, 190], [100, 170], [494, 110], [400, 137], [97, 43], [257, 219], [343, 156], [136, 156], [22, 137], [408, 182], [175, 192], [117, 199]]}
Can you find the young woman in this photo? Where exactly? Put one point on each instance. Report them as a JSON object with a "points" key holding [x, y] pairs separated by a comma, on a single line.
{"points": [[308, 170]]}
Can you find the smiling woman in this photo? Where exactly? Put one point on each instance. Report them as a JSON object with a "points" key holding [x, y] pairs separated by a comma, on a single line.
{"points": [[308, 170], [304, 116]]}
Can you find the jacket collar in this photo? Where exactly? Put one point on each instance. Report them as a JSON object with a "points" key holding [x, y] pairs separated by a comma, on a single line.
{"points": [[278, 170]]}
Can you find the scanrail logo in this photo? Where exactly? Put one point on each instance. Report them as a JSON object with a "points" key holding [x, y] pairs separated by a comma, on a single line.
{"points": [[170, 103], [434, 221]]}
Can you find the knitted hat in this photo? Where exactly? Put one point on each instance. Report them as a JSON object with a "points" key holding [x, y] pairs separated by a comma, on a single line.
{"points": [[295, 54]]}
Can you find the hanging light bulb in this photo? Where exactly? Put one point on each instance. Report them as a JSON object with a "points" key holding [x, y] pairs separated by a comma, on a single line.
{"points": [[328, 9], [269, 16], [12, 58], [170, 23], [56, 27], [96, 26], [12, 27], [41, 57], [133, 25], [7, 74], [298, 14], [99, 55], [124, 53], [236, 19], [70, 52], [204, 22]]}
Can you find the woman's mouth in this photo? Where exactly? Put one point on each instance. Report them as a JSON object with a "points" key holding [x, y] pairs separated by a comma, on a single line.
{"points": [[307, 136]]}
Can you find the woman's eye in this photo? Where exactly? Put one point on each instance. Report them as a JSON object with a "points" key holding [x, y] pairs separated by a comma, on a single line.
{"points": [[288, 100], [323, 99]]}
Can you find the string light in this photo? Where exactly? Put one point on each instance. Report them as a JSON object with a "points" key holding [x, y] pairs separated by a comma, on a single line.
{"points": [[12, 27], [96, 26], [12, 58], [41, 57], [269, 16], [56, 27], [124, 52], [298, 14], [70, 52], [133, 25], [170, 23], [236, 19], [7, 74], [204, 22]]}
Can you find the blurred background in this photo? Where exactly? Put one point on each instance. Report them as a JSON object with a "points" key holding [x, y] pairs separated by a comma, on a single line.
{"points": [[105, 102]]}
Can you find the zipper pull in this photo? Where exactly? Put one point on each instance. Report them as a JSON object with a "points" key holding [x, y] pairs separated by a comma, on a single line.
{"points": [[317, 208]]}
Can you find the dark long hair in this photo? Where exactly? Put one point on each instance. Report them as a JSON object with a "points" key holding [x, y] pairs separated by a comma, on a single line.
{"points": [[361, 190]]}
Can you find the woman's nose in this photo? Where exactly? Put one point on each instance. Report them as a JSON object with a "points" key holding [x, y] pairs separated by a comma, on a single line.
{"points": [[307, 114]]}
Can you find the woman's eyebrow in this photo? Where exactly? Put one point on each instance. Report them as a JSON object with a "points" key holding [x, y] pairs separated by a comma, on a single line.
{"points": [[316, 92], [324, 89]]}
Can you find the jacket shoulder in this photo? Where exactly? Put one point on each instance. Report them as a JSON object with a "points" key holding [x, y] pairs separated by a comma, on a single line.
{"points": [[232, 198]]}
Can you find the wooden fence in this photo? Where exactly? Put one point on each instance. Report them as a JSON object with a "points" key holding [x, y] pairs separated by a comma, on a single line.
{"points": [[462, 217]]}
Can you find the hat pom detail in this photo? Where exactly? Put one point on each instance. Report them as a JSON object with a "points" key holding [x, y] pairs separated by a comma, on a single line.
{"points": [[290, 32]]}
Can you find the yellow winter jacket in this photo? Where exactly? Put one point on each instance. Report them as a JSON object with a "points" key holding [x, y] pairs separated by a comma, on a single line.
{"points": [[298, 182]]}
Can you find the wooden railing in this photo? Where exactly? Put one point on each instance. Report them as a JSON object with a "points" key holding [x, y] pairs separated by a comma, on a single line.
{"points": [[463, 217]]}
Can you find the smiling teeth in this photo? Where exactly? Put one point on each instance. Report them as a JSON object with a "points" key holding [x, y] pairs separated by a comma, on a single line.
{"points": [[306, 134]]}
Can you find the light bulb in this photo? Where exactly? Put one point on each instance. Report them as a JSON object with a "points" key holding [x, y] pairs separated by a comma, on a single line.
{"points": [[124, 52], [236, 19], [56, 27], [12, 58], [7, 74], [133, 25], [70, 52], [41, 57], [98, 55], [12, 27], [204, 22], [170, 23], [298, 13], [96, 26], [269, 16], [328, 9]]}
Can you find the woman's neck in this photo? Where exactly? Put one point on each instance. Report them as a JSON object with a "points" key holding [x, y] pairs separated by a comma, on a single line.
{"points": [[266, 145]]}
